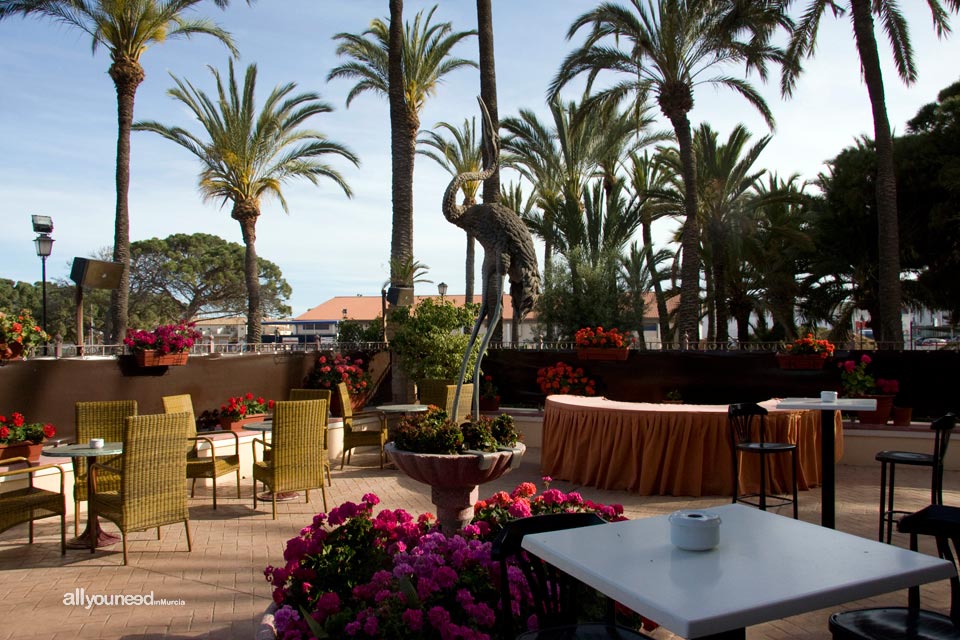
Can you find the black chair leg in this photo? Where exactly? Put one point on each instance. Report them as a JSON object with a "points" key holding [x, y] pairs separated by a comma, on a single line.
{"points": [[763, 482], [796, 504], [889, 516], [883, 498]]}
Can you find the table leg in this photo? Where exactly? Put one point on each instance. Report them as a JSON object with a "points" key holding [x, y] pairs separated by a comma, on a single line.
{"points": [[828, 492], [103, 538]]}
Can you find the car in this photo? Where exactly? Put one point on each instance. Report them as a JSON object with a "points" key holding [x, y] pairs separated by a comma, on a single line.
{"points": [[931, 341]]}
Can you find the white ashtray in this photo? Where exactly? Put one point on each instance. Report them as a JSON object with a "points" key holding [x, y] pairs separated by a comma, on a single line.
{"points": [[96, 443], [694, 530]]}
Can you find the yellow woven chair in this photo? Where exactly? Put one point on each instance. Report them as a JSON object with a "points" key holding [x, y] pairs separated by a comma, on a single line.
{"points": [[98, 420], [151, 478], [441, 394], [32, 503], [357, 438], [317, 394], [294, 463], [212, 466]]}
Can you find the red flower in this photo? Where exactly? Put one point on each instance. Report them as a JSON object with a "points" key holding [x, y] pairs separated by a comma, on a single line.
{"points": [[49, 431]]}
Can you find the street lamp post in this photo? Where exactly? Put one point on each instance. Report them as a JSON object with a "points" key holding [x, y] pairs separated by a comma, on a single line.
{"points": [[442, 290], [43, 225]]}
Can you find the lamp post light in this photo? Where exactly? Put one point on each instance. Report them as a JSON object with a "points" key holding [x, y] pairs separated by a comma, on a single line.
{"points": [[43, 225], [442, 290]]}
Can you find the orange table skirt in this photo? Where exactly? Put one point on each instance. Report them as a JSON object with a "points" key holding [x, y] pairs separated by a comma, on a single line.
{"points": [[670, 449]]}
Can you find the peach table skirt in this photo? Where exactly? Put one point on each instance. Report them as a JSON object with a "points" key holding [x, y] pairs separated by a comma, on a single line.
{"points": [[670, 449]]}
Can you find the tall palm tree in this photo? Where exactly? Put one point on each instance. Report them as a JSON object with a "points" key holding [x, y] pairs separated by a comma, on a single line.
{"points": [[426, 60], [488, 93], [668, 47], [802, 45], [461, 154], [126, 30], [247, 155]]}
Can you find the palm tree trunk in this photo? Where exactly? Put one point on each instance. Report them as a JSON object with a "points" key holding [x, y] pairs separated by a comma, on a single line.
{"points": [[663, 316], [720, 308], [488, 91], [470, 268], [127, 75], [403, 148], [890, 326], [246, 213], [688, 311]]}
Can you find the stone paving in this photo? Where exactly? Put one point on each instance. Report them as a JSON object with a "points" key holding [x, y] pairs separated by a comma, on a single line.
{"points": [[221, 581]]}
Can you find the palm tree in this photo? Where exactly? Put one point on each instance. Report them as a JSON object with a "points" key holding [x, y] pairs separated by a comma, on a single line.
{"points": [[460, 155], [126, 30], [426, 60], [802, 45], [488, 93], [248, 155], [668, 47]]}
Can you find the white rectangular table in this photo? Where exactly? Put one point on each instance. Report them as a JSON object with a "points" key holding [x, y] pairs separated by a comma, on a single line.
{"points": [[828, 492], [766, 567]]}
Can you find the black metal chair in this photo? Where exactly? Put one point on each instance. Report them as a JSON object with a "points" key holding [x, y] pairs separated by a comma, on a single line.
{"points": [[556, 595], [942, 427], [741, 417], [912, 622]]}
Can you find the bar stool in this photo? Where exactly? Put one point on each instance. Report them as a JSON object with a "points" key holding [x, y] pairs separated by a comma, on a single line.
{"points": [[741, 417], [942, 427]]}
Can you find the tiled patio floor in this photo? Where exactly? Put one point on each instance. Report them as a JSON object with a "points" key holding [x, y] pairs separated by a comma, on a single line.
{"points": [[221, 581]]}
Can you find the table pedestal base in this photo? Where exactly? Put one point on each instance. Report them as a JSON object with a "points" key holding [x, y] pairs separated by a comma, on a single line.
{"points": [[285, 496], [104, 539]]}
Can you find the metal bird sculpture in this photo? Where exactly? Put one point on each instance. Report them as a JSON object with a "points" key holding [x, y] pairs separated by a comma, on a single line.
{"points": [[507, 251]]}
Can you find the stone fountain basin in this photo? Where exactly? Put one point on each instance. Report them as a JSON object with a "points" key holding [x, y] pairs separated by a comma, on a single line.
{"points": [[464, 470]]}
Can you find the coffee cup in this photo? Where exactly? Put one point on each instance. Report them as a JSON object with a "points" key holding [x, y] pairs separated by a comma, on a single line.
{"points": [[828, 396], [96, 443]]}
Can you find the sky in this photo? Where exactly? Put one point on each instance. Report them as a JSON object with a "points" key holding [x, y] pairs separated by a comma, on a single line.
{"points": [[58, 132]]}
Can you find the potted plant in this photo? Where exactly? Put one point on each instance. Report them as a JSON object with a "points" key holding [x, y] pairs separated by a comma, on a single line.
{"points": [[859, 383], [19, 438], [243, 409], [331, 369], [19, 335], [454, 459], [601, 344], [563, 378], [805, 353], [429, 342], [489, 395], [353, 573], [167, 345]]}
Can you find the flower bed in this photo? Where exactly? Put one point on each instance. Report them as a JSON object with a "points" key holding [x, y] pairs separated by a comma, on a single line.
{"points": [[353, 574]]}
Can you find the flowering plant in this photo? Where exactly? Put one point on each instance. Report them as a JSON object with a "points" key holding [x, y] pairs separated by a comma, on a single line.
{"points": [[20, 329], [562, 378], [488, 389], [808, 345], [245, 405], [607, 339], [16, 429], [353, 574], [167, 338], [330, 370], [857, 382], [432, 431]]}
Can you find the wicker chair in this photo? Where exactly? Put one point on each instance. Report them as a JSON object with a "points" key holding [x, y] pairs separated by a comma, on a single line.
{"points": [[441, 393], [151, 478], [98, 420], [32, 503], [359, 438], [317, 394], [212, 466], [294, 463]]}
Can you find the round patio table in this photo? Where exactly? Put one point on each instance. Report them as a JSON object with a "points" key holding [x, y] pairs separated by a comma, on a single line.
{"points": [[92, 529]]}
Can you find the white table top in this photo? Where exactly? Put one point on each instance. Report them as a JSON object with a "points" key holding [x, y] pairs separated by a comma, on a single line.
{"points": [[766, 567], [402, 408], [841, 404], [83, 450]]}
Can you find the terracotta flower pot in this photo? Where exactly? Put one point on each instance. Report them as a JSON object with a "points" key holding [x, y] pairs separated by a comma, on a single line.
{"points": [[453, 479], [231, 424], [150, 358], [902, 416], [28, 450], [882, 414], [489, 403]]}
